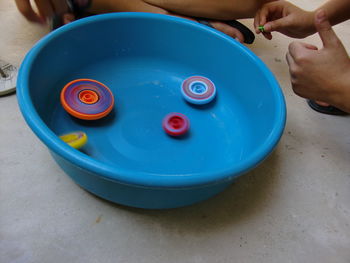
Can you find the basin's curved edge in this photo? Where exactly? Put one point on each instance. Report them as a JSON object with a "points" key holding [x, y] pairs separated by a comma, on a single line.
{"points": [[138, 196]]}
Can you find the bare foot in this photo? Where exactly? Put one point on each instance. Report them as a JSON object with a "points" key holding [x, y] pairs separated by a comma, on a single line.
{"points": [[221, 26], [228, 30]]}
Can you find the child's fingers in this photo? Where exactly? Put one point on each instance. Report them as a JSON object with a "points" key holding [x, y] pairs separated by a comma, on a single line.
{"points": [[295, 49], [25, 8], [260, 18], [299, 50], [59, 6], [289, 59], [45, 8], [257, 22], [276, 25], [292, 67], [309, 46], [267, 35], [273, 9]]}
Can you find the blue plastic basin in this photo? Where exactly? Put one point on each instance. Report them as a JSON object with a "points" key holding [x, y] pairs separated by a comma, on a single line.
{"points": [[143, 59]]}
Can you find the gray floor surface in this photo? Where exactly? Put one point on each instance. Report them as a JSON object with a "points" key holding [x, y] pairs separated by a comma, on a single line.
{"points": [[295, 207]]}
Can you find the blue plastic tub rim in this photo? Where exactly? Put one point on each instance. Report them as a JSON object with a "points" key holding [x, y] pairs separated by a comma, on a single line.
{"points": [[140, 178]]}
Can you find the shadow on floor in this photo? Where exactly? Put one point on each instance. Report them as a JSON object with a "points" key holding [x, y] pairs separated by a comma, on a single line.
{"points": [[245, 199]]}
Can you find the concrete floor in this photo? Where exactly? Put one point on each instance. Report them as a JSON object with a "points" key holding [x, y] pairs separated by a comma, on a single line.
{"points": [[295, 207]]}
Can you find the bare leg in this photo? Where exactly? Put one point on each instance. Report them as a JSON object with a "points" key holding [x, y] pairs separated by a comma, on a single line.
{"points": [[214, 9], [207, 9], [109, 6]]}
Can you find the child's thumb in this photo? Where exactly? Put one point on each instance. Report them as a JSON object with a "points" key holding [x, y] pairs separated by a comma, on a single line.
{"points": [[324, 29]]}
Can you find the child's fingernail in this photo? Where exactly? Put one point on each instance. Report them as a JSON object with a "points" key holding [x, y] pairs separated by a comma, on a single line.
{"points": [[320, 15]]}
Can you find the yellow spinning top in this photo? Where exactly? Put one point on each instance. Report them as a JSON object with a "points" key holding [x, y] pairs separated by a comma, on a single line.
{"points": [[75, 139]]}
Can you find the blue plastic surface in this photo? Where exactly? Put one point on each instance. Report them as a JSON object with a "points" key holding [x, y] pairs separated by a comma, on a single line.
{"points": [[143, 59]]}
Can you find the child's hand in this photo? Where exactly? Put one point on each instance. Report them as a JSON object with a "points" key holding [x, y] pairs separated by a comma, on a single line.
{"points": [[286, 18], [324, 74], [46, 9]]}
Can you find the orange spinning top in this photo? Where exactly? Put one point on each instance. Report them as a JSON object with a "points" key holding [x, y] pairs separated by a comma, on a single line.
{"points": [[87, 99]]}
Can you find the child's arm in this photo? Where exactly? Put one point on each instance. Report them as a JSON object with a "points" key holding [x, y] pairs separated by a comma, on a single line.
{"points": [[290, 20]]}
